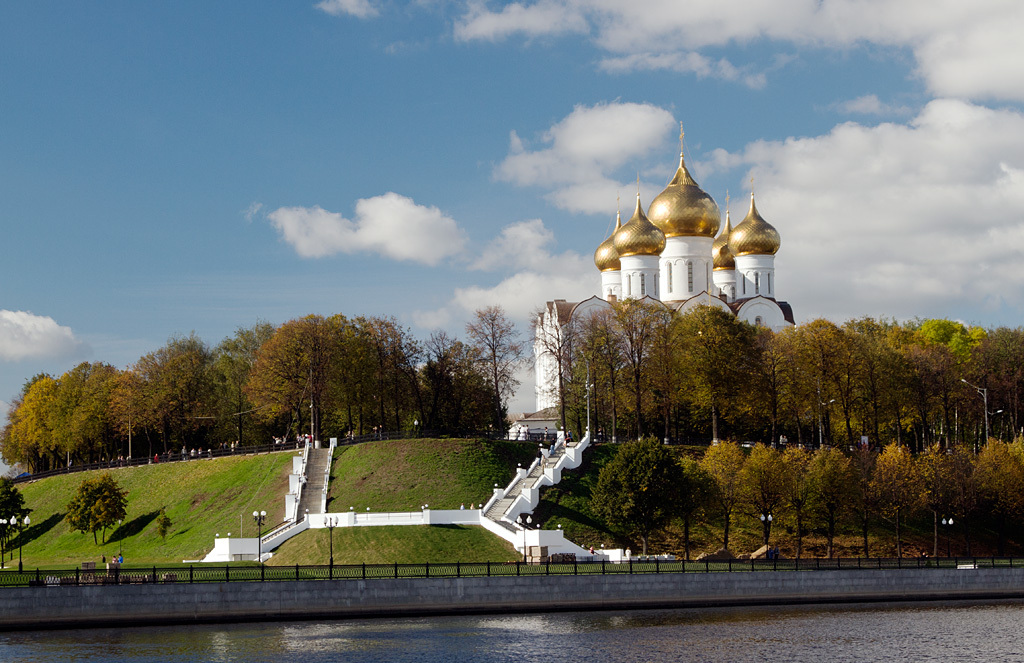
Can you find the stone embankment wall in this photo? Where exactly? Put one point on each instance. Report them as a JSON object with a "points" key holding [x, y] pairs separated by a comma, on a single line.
{"points": [[63, 606]]}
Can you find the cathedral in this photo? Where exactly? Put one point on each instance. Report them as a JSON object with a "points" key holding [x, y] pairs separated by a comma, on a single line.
{"points": [[675, 254]]}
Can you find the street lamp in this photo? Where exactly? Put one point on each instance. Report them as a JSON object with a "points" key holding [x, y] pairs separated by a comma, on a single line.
{"points": [[3, 539], [766, 524], [984, 397], [524, 523], [947, 522], [20, 524], [120, 539], [259, 517], [331, 524]]}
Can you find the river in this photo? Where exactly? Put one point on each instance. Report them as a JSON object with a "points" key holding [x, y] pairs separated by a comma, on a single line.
{"points": [[926, 632]]}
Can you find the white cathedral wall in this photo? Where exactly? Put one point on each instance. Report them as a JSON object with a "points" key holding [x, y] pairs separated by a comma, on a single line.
{"points": [[755, 275], [681, 255], [725, 281], [611, 283], [763, 313], [640, 276]]}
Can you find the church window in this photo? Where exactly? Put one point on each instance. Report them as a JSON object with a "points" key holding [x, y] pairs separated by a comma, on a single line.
{"points": [[629, 284], [769, 277], [668, 276], [744, 279], [757, 283], [643, 285], [689, 276], [758, 321]]}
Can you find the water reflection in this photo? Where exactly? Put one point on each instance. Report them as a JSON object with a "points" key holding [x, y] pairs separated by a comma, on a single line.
{"points": [[920, 633]]}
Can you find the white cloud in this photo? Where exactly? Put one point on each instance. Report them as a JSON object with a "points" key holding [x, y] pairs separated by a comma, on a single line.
{"points": [[544, 18], [357, 8], [584, 149], [922, 218], [686, 63], [391, 225], [24, 335], [870, 104], [537, 275], [967, 50]]}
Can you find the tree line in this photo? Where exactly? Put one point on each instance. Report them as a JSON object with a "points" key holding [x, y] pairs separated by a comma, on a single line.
{"points": [[828, 491], [325, 376], [641, 369]]}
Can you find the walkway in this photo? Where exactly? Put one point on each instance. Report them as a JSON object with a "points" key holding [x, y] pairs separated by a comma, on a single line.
{"points": [[316, 468]]}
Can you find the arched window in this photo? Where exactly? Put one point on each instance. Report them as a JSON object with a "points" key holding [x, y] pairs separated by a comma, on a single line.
{"points": [[643, 285], [758, 321], [769, 277], [757, 283], [744, 279], [668, 277], [689, 277]]}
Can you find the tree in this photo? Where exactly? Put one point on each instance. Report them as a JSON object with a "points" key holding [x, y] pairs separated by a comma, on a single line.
{"points": [[833, 485], [999, 473], [233, 361], [799, 489], [163, 525], [937, 484], [763, 486], [696, 488], [12, 509], [723, 462], [500, 350], [638, 489], [897, 486], [637, 323], [99, 503]]}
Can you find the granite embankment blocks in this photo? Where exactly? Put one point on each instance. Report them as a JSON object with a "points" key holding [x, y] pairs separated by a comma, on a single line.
{"points": [[176, 603]]}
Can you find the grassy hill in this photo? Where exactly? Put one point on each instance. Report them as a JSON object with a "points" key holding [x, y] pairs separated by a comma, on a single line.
{"points": [[402, 475], [202, 498]]}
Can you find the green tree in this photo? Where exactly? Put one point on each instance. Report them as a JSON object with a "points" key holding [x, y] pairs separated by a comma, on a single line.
{"points": [[163, 524], [724, 462], [99, 504], [12, 510], [799, 490], [696, 488], [637, 491]]}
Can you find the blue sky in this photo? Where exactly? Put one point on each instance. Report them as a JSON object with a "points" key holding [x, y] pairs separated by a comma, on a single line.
{"points": [[170, 167]]}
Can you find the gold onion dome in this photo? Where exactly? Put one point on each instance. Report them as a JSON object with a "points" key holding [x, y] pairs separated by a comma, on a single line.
{"points": [[720, 251], [606, 257], [754, 235], [639, 237], [683, 209]]}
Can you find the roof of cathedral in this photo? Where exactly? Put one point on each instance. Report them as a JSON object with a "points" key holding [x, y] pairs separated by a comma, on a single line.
{"points": [[754, 235], [606, 257], [721, 254], [639, 237], [683, 209]]}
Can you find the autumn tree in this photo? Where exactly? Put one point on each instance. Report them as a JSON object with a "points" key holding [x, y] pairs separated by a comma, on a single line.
{"points": [[638, 489], [724, 463], [799, 487], [177, 391], [763, 488], [233, 361], [833, 480], [897, 487], [999, 473], [500, 350]]}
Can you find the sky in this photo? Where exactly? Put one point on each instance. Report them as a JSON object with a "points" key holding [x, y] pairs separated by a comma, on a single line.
{"points": [[192, 166]]}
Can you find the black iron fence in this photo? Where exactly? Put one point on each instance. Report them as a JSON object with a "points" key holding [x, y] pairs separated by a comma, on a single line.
{"points": [[262, 573]]}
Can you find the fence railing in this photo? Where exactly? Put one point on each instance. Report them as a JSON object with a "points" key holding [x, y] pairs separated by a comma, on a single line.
{"points": [[639, 566]]}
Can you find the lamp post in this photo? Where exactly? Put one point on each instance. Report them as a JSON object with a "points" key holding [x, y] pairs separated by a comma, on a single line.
{"points": [[766, 524], [947, 522], [331, 522], [120, 539], [821, 424], [524, 522], [20, 524], [3, 539], [259, 517], [984, 398]]}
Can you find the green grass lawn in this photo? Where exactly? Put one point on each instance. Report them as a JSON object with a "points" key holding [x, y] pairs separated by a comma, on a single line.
{"points": [[405, 545], [402, 475], [202, 498]]}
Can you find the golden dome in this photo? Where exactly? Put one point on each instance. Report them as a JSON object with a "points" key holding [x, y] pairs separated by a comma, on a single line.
{"points": [[720, 251], [639, 237], [754, 235], [606, 257], [683, 209]]}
